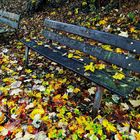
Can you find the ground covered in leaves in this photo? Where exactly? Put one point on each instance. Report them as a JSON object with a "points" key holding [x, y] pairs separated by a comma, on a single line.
{"points": [[47, 101]]}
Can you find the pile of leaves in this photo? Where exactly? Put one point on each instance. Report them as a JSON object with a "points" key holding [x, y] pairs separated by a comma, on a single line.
{"points": [[47, 102]]}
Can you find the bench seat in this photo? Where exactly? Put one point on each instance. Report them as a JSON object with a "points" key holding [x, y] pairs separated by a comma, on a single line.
{"points": [[101, 77]]}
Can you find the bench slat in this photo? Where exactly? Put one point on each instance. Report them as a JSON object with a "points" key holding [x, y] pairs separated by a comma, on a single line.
{"points": [[9, 15], [102, 79], [115, 40], [133, 81], [111, 57], [9, 22]]}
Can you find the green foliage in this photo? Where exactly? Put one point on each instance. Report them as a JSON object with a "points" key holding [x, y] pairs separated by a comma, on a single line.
{"points": [[131, 16]]}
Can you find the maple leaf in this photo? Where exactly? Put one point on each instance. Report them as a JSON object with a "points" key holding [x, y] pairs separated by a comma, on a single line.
{"points": [[76, 90], [38, 110], [28, 70], [102, 22], [118, 76], [90, 67], [109, 127]]}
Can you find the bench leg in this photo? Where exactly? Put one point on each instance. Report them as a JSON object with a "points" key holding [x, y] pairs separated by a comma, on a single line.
{"points": [[26, 56], [97, 101]]}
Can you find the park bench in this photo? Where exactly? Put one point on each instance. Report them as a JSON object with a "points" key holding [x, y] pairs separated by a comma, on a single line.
{"points": [[103, 78], [9, 22]]}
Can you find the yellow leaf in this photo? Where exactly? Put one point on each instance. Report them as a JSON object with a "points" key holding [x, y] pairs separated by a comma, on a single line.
{"points": [[73, 127], [102, 22], [27, 40], [45, 119], [38, 110], [69, 13], [107, 47], [132, 30], [61, 71], [90, 67], [1, 128], [10, 103], [118, 50], [33, 76], [114, 67], [38, 95], [100, 132], [80, 130], [52, 13], [100, 66], [76, 56], [84, 3], [57, 97], [40, 43], [105, 123], [109, 127], [118, 76], [76, 90], [69, 114], [28, 70], [138, 89], [65, 96], [137, 135], [76, 11], [70, 55]]}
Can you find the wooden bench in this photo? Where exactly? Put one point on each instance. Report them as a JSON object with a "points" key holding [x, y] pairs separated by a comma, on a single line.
{"points": [[103, 77], [9, 19]]}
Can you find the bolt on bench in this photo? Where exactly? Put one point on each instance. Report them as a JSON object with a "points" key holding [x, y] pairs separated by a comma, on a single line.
{"points": [[11, 20], [103, 78]]}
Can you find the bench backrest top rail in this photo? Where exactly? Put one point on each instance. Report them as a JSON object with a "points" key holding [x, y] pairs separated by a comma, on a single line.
{"points": [[111, 57], [103, 37], [9, 15]]}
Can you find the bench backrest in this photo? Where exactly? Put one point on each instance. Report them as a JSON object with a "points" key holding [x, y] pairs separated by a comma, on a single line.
{"points": [[122, 60], [10, 19]]}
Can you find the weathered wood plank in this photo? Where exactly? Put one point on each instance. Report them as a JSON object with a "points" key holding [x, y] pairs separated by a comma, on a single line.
{"points": [[115, 40], [111, 57], [105, 80], [9, 22], [9, 15]]}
